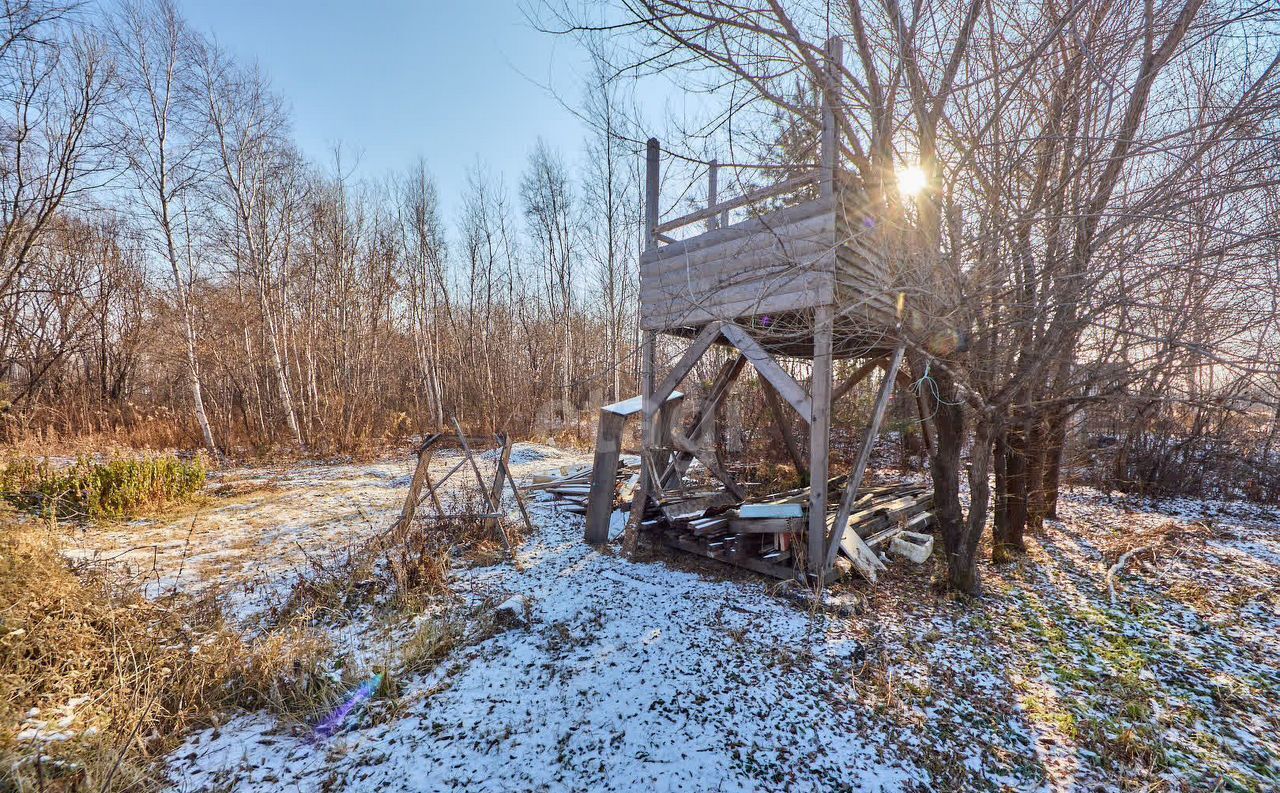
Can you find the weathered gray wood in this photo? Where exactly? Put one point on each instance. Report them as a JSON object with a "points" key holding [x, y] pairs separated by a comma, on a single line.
{"points": [[686, 312], [751, 563], [499, 477], [713, 193], [767, 525], [690, 359], [830, 98], [778, 218], [746, 198], [604, 476], [640, 499], [819, 408], [770, 370], [805, 238], [651, 183], [864, 455], [415, 487]]}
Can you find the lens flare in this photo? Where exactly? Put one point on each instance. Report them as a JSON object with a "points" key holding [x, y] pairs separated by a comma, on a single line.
{"points": [[334, 722], [912, 180]]}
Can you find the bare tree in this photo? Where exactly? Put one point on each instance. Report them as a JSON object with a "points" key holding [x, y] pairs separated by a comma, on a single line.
{"points": [[247, 125], [163, 142]]}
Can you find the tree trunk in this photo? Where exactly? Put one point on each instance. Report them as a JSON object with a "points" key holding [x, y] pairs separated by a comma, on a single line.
{"points": [[1055, 441], [1012, 503], [959, 542]]}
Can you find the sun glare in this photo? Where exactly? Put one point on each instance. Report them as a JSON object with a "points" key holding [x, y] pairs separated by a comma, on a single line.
{"points": [[911, 180]]}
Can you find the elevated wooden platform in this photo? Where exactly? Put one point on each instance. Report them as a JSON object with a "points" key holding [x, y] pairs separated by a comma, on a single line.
{"points": [[812, 280], [768, 273]]}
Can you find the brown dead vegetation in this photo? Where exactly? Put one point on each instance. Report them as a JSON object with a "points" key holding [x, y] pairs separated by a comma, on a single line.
{"points": [[98, 683]]}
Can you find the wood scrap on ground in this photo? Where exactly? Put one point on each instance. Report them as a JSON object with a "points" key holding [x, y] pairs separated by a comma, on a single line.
{"points": [[766, 533]]}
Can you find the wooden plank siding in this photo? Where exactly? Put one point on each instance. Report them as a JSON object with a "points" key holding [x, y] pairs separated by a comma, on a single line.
{"points": [[820, 252]]}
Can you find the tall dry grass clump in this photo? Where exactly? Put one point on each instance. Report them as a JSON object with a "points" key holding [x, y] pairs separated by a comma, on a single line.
{"points": [[97, 682]]}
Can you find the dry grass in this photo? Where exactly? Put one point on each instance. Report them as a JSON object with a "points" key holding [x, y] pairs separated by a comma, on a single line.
{"points": [[97, 682]]}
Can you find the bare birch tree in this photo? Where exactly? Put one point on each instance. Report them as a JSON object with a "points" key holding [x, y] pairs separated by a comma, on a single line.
{"points": [[162, 141]]}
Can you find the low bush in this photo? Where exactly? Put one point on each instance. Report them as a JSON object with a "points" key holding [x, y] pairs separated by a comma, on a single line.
{"points": [[118, 488]]}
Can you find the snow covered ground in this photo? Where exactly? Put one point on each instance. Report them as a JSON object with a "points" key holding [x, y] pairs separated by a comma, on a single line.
{"points": [[674, 674]]}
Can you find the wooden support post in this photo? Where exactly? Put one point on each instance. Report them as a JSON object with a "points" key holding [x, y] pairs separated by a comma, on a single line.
{"points": [[648, 362], [713, 177], [504, 455], [830, 105], [819, 437], [864, 455], [651, 194], [604, 474], [411, 499]]}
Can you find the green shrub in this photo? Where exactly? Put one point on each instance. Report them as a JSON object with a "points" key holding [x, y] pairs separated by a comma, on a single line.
{"points": [[118, 488]]}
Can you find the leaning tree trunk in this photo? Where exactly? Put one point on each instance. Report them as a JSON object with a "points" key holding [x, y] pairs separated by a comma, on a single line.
{"points": [[959, 536]]}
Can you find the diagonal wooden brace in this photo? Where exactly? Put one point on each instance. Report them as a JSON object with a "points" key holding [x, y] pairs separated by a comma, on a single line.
{"points": [[864, 455], [770, 370]]}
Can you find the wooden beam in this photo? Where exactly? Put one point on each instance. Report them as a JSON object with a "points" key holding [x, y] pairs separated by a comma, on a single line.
{"points": [[604, 474], [830, 96], [499, 478], [741, 201], [770, 370], [639, 500], [864, 455], [701, 343], [705, 415], [713, 192], [651, 183], [819, 437], [411, 499], [857, 377], [784, 428]]}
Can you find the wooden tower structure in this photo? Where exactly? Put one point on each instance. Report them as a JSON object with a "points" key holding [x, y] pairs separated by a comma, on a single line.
{"points": [[807, 281]]}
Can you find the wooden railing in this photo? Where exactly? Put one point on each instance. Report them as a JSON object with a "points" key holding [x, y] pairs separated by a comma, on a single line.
{"points": [[716, 212]]}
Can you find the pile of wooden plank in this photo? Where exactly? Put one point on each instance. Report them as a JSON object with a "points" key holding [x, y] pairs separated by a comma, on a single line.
{"points": [[763, 533], [570, 485]]}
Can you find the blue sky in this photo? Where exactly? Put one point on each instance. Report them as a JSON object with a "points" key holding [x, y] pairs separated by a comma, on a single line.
{"points": [[392, 80]]}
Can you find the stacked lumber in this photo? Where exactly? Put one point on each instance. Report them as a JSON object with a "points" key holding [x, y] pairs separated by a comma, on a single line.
{"points": [[881, 509], [765, 534], [570, 485]]}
